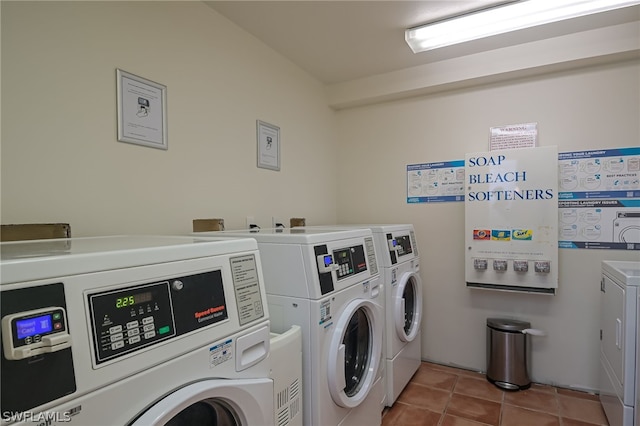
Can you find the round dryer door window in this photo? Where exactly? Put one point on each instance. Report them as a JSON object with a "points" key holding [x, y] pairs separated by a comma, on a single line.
{"points": [[224, 402], [408, 306], [354, 353]]}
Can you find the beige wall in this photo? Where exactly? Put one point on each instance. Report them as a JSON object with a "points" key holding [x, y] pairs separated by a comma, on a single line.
{"points": [[589, 108], [61, 161]]}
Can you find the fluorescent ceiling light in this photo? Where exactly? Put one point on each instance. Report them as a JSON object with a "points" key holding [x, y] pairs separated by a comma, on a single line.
{"points": [[500, 20]]}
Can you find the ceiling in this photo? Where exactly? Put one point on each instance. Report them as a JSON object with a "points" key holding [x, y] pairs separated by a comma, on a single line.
{"points": [[338, 41]]}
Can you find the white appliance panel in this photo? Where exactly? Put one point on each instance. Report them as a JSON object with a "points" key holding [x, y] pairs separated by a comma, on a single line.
{"points": [[224, 340], [619, 346]]}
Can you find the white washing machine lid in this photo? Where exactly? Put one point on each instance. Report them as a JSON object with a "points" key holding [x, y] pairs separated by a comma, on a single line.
{"points": [[242, 402], [626, 273], [337, 354], [74, 256], [379, 228], [293, 235]]}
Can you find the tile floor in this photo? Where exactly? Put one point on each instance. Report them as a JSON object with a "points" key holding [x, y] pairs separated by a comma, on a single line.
{"points": [[444, 396]]}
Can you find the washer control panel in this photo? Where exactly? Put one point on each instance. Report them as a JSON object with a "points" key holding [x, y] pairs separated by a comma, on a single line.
{"points": [[125, 320], [404, 243], [30, 333], [350, 261]]}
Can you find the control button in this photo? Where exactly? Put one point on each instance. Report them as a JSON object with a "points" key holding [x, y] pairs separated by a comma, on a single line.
{"points": [[543, 266], [149, 334], [499, 265], [133, 332], [57, 326], [177, 285], [134, 339], [480, 264], [37, 338], [147, 327], [57, 316], [116, 337], [132, 324], [147, 320], [28, 340], [115, 329], [117, 345], [520, 265]]}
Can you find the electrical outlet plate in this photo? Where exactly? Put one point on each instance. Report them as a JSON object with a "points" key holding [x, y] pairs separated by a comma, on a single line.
{"points": [[250, 221]]}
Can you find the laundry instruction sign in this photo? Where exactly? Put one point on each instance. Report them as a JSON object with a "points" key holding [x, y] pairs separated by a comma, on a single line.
{"points": [[599, 199], [435, 182], [511, 218]]}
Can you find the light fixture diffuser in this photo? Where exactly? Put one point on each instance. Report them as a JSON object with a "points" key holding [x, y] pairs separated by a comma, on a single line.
{"points": [[503, 19]]}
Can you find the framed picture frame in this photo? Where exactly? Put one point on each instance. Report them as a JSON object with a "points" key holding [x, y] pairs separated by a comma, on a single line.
{"points": [[268, 137], [142, 111]]}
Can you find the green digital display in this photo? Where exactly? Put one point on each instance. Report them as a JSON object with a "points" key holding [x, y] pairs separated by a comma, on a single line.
{"points": [[133, 299]]}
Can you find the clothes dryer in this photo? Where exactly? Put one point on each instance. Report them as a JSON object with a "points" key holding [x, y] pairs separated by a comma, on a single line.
{"points": [[620, 341], [397, 251], [135, 331], [327, 282]]}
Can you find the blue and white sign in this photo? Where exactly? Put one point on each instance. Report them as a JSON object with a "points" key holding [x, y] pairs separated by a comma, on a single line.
{"points": [[435, 182], [599, 199]]}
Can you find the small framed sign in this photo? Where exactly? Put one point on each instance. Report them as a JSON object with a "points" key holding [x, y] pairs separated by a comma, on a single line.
{"points": [[142, 111], [268, 145]]}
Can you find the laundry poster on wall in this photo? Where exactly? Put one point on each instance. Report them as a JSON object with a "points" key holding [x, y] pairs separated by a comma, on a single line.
{"points": [[435, 182], [599, 199]]}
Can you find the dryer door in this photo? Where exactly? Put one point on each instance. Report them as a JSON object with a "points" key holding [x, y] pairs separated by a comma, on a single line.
{"points": [[354, 352], [225, 402], [407, 306]]}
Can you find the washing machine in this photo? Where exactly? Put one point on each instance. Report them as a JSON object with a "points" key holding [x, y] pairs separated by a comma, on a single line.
{"points": [[398, 258], [619, 341], [327, 282], [135, 331], [400, 263]]}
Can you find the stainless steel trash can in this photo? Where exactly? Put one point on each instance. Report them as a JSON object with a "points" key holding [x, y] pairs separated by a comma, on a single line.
{"points": [[508, 353]]}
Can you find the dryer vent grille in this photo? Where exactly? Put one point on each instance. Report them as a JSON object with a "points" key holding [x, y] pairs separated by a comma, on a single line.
{"points": [[288, 403], [283, 397]]}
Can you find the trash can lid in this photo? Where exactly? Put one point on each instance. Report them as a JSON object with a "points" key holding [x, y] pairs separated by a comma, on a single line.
{"points": [[507, 324]]}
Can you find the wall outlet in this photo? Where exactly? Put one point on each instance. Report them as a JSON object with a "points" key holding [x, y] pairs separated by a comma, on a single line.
{"points": [[250, 221], [276, 222]]}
